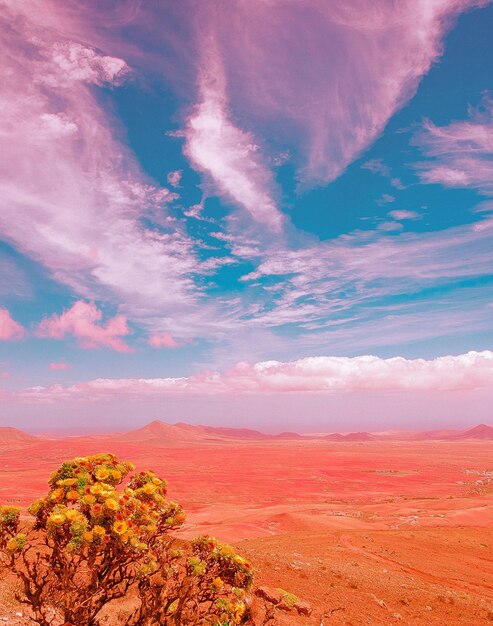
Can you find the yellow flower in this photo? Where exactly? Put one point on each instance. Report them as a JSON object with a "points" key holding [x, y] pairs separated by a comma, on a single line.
{"points": [[239, 611], [112, 504], [68, 482], [102, 473], [116, 475], [88, 536], [120, 527], [79, 526], [72, 495], [57, 518], [199, 569], [57, 494], [89, 499], [96, 489], [150, 488], [156, 481], [227, 551], [72, 514], [144, 569], [36, 506], [12, 545], [217, 584], [99, 531], [239, 559]]}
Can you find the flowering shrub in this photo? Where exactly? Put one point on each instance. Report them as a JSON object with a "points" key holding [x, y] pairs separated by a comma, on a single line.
{"points": [[199, 582], [92, 543]]}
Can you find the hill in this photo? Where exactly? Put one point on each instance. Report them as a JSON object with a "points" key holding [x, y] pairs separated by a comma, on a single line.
{"points": [[10, 437], [363, 436], [482, 431], [158, 433]]}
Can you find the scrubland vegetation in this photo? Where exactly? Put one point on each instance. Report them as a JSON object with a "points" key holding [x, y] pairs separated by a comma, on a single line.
{"points": [[102, 538]]}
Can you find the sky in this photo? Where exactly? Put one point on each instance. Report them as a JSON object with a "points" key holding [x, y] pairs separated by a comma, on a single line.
{"points": [[275, 214]]}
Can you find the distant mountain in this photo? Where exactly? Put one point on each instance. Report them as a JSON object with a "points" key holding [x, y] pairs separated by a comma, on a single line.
{"points": [[160, 432], [288, 435], [10, 436], [482, 431], [363, 436], [234, 433]]}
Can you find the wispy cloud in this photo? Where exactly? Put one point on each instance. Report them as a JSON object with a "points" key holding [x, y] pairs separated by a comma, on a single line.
{"points": [[280, 59], [377, 166], [216, 146], [340, 286], [72, 196], [461, 152]]}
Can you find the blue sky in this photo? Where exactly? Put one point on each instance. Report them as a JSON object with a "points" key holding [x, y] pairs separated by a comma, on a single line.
{"points": [[185, 190]]}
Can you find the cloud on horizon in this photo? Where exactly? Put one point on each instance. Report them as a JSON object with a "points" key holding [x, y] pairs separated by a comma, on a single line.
{"points": [[319, 375]]}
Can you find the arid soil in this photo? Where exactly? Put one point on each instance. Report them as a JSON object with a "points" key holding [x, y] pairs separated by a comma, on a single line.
{"points": [[370, 532]]}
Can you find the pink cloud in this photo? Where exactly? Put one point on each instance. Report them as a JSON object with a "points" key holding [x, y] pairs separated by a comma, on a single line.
{"points": [[385, 198], [403, 214], [54, 129], [329, 283], [163, 340], [461, 152], [9, 328], [273, 66], [228, 154], [174, 178], [377, 166], [278, 58], [324, 374], [81, 63], [59, 366], [82, 321], [4, 375], [390, 227]]}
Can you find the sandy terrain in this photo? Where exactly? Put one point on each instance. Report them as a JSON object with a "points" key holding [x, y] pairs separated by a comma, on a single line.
{"points": [[383, 531]]}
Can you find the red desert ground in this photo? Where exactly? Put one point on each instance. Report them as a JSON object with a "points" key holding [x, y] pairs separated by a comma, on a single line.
{"points": [[368, 528]]}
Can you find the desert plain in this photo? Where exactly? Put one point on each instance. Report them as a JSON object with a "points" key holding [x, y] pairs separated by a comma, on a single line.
{"points": [[395, 528]]}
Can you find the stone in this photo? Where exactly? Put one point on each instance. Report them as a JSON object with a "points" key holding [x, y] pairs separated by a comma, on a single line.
{"points": [[270, 595], [303, 608]]}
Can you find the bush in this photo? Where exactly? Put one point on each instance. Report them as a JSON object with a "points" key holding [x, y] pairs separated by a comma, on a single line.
{"points": [[91, 543]]}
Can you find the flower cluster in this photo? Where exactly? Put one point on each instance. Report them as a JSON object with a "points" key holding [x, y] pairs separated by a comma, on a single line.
{"points": [[9, 518], [235, 569], [84, 511], [228, 575]]}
